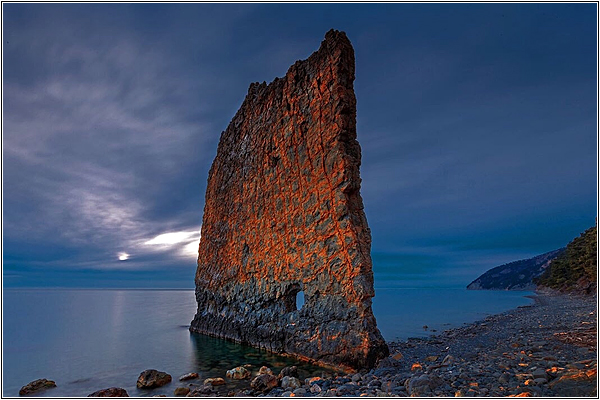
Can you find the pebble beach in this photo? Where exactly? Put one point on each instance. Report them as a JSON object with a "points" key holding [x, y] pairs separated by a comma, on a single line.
{"points": [[548, 349]]}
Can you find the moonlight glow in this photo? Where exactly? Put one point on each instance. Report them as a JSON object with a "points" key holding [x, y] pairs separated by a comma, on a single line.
{"points": [[191, 249], [173, 238], [123, 256], [185, 243]]}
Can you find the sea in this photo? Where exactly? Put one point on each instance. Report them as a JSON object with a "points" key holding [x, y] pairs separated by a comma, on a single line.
{"points": [[91, 339]]}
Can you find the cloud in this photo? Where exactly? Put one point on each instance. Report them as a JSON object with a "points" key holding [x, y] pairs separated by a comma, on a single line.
{"points": [[191, 249], [467, 124], [171, 238], [91, 148], [184, 242]]}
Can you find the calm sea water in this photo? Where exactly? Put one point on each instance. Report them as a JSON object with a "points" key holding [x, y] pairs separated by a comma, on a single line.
{"points": [[87, 340], [403, 312]]}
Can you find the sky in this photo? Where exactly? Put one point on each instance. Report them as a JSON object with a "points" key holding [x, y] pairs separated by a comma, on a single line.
{"points": [[477, 124]]}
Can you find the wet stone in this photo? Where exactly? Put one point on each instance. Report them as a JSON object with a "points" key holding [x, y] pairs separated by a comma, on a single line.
{"points": [[264, 382], [152, 378], [290, 383], [181, 391], [37, 385], [202, 391], [191, 375], [238, 373], [214, 381], [110, 392], [300, 392], [315, 388], [289, 371]]}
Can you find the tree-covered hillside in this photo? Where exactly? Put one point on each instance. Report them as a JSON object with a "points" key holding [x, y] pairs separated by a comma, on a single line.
{"points": [[517, 275], [575, 269]]}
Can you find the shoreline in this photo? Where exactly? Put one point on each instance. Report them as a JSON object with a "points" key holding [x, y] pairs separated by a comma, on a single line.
{"points": [[532, 350], [547, 349]]}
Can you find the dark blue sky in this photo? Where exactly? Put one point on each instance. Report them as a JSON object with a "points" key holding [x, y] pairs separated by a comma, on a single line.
{"points": [[477, 124]]}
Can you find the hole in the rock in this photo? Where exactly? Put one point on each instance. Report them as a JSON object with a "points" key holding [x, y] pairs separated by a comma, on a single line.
{"points": [[293, 298], [299, 300]]}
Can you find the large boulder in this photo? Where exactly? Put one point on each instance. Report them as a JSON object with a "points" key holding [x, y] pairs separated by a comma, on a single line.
{"points": [[264, 383], [238, 373], [289, 371], [35, 386], [152, 378]]}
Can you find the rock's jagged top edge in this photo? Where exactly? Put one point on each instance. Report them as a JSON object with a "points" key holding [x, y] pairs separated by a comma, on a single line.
{"points": [[333, 38]]}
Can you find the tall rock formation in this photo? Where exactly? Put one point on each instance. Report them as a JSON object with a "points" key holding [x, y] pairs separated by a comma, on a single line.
{"points": [[284, 217]]}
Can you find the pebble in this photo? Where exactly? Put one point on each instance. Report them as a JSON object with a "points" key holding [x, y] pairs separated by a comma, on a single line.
{"points": [[290, 383], [264, 370], [181, 391], [215, 381], [539, 373], [238, 373], [300, 392], [191, 375], [289, 371]]}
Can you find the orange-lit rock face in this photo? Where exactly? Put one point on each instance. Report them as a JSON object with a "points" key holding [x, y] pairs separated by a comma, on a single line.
{"points": [[284, 215]]}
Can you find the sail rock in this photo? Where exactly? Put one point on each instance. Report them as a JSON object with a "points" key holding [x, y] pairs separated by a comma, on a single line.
{"points": [[283, 215]]}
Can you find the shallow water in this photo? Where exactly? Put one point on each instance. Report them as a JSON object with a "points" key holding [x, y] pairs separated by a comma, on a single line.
{"points": [[87, 340], [403, 312]]}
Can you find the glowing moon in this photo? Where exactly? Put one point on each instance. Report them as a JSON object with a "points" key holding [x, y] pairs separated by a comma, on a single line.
{"points": [[123, 256]]}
